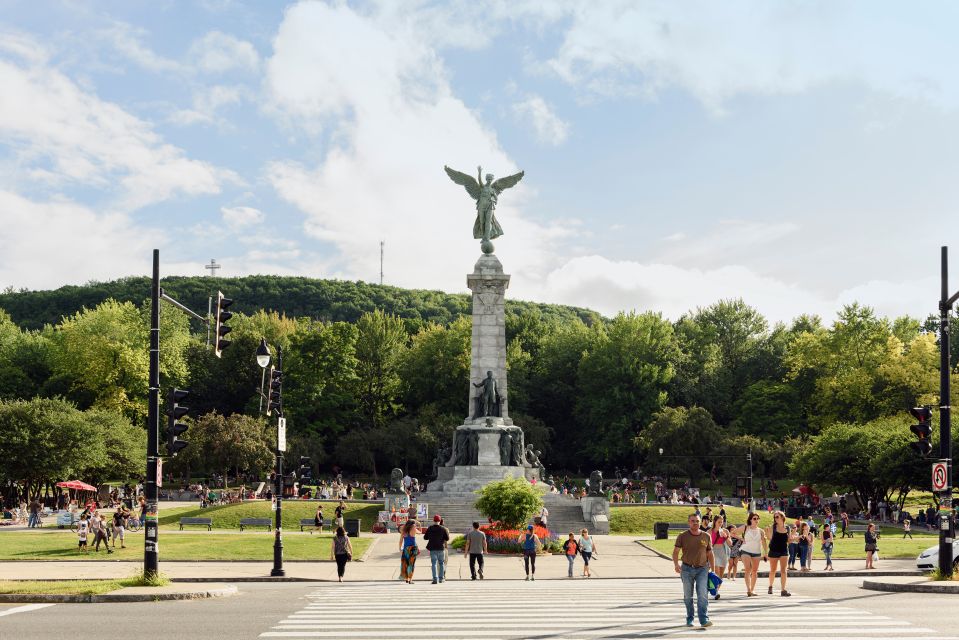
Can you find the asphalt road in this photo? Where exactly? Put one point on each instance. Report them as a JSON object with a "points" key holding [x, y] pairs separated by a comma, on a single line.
{"points": [[356, 609]]}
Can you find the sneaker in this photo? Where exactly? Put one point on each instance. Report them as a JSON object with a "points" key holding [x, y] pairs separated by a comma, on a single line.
{"points": [[689, 623], [532, 578], [785, 593], [473, 578], [434, 580], [481, 574], [708, 623], [527, 578], [717, 595]]}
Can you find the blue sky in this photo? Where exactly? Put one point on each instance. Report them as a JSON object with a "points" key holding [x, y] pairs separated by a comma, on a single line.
{"points": [[797, 155]]}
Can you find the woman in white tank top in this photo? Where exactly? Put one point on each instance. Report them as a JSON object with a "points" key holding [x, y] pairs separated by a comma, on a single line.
{"points": [[753, 548]]}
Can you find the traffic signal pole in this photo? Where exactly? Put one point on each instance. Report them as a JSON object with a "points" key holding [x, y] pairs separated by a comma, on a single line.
{"points": [[947, 522], [278, 570], [151, 558]]}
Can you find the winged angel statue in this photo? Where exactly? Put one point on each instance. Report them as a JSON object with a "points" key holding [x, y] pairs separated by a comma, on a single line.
{"points": [[486, 228]]}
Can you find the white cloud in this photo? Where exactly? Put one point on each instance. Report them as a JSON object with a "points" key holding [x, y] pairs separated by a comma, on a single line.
{"points": [[610, 286], [127, 40], [68, 136], [549, 127], [395, 124], [240, 217], [206, 102], [718, 50], [48, 244], [218, 52]]}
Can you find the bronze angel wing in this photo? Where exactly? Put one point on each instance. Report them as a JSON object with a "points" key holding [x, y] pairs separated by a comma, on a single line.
{"points": [[505, 183], [472, 187]]}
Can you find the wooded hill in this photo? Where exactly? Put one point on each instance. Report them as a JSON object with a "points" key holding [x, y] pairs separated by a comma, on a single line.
{"points": [[297, 297]]}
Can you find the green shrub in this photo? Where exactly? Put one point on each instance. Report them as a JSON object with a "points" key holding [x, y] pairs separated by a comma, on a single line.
{"points": [[510, 502]]}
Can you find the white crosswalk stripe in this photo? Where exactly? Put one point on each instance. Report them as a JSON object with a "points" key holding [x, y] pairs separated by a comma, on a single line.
{"points": [[551, 609]]}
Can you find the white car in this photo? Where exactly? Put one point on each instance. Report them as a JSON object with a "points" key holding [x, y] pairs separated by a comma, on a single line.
{"points": [[929, 559]]}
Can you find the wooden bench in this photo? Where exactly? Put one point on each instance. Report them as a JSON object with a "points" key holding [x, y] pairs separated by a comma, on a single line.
{"points": [[206, 522], [678, 526], [310, 522], [256, 522], [855, 528]]}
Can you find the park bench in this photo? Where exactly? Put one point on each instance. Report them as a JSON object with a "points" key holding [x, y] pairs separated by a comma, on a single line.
{"points": [[678, 526], [309, 522], [856, 528], [206, 522], [256, 522]]}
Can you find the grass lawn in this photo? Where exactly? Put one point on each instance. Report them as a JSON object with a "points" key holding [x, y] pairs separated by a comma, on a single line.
{"points": [[227, 516], [845, 548], [638, 521], [63, 587], [185, 546]]}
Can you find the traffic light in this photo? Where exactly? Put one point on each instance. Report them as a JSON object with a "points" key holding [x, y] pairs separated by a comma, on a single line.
{"points": [[222, 315], [306, 468], [922, 430], [276, 392], [174, 428]]}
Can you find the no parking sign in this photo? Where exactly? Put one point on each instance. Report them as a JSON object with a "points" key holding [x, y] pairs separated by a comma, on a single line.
{"points": [[939, 476]]}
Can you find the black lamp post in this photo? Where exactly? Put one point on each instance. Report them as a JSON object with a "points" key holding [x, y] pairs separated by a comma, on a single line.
{"points": [[275, 401]]}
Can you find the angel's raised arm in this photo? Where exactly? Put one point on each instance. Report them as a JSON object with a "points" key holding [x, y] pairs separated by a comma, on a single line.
{"points": [[472, 187]]}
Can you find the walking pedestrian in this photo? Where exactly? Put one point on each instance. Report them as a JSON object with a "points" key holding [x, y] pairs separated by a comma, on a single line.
{"points": [[119, 526], [697, 555], [906, 529], [436, 538], [99, 529], [476, 546], [804, 545], [735, 546], [318, 519], [827, 542], [753, 548], [83, 527], [338, 514], [342, 551], [794, 543], [872, 538], [571, 549], [844, 522], [778, 535], [408, 550], [719, 539], [531, 544], [587, 548]]}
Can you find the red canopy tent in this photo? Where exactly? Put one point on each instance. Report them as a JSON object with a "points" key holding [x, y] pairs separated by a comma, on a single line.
{"points": [[76, 484]]}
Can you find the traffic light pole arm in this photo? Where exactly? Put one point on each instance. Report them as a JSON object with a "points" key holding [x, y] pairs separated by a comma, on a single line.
{"points": [[182, 307]]}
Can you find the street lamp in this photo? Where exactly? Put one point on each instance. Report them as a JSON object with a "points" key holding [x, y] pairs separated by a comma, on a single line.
{"points": [[275, 391]]}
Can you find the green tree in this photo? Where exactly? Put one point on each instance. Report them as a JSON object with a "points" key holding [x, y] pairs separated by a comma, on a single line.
{"points": [[622, 383], [233, 443], [511, 502], [125, 446], [380, 344], [435, 370], [45, 440], [689, 439]]}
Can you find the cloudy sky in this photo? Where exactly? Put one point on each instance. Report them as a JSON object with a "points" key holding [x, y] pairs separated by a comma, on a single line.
{"points": [[800, 155]]}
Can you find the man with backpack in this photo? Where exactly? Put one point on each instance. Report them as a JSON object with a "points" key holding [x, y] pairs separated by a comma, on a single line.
{"points": [[436, 538]]}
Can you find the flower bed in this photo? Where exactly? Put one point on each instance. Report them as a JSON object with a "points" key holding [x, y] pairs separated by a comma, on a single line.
{"points": [[505, 540]]}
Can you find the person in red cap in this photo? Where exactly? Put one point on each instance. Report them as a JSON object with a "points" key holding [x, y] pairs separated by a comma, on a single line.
{"points": [[437, 536]]}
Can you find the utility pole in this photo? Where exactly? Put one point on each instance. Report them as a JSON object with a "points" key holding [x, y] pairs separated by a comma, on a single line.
{"points": [[382, 242], [151, 560], [947, 522]]}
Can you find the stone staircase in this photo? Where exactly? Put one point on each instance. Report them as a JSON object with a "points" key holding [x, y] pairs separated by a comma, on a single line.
{"points": [[565, 513]]}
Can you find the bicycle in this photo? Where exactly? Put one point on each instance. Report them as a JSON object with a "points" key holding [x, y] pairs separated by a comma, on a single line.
{"points": [[133, 524]]}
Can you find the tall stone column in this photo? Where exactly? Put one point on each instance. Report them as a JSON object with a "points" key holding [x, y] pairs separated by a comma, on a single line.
{"points": [[488, 284]]}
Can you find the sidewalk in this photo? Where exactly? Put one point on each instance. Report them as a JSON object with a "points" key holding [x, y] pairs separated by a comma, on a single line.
{"points": [[616, 557]]}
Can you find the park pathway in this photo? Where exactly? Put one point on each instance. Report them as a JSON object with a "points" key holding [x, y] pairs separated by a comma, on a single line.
{"points": [[569, 609]]}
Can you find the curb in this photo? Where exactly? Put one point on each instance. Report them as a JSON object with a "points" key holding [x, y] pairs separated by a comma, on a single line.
{"points": [[930, 587], [227, 591]]}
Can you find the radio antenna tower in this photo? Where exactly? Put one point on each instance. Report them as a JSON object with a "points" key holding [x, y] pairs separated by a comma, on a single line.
{"points": [[382, 242]]}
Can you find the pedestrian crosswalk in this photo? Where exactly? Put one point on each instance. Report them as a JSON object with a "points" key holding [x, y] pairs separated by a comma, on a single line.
{"points": [[640, 608]]}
